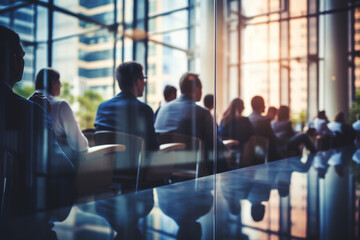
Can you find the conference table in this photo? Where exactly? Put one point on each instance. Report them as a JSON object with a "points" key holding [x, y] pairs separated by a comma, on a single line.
{"points": [[313, 196]]}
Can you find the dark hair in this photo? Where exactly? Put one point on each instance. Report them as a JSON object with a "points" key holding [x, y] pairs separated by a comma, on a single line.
{"points": [[272, 110], [9, 45], [189, 82], [257, 212], [321, 114], [284, 113], [45, 79], [169, 91], [209, 101], [127, 73], [257, 102], [340, 117], [234, 110]]}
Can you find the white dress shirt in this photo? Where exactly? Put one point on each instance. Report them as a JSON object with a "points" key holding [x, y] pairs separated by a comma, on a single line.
{"points": [[65, 124]]}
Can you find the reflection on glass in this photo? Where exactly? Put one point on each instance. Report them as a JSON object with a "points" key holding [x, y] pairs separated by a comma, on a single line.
{"points": [[123, 213], [185, 206]]}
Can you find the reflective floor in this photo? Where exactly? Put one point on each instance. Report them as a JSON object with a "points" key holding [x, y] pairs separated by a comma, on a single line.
{"points": [[313, 197]]}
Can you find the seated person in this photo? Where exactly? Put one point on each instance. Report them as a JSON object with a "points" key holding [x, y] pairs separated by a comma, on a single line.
{"points": [[234, 126], [288, 140], [66, 128], [28, 142], [320, 124], [271, 113], [323, 134], [262, 127], [209, 103], [170, 93], [343, 133], [185, 117], [124, 112]]}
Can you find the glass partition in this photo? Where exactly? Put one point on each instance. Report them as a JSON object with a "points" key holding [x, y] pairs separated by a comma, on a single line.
{"points": [[173, 164]]}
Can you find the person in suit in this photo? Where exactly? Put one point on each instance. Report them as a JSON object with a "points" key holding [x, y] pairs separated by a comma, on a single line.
{"points": [[170, 93], [261, 125], [185, 117], [124, 112], [234, 126], [66, 127], [28, 152]]}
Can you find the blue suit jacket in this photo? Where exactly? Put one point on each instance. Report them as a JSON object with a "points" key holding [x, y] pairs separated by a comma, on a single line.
{"points": [[125, 113], [27, 137]]}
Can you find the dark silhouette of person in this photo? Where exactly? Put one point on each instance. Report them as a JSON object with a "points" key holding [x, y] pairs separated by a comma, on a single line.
{"points": [[262, 125], [124, 211], [185, 204], [271, 113], [234, 126], [170, 93], [343, 132], [288, 141], [124, 112], [36, 178], [209, 104]]}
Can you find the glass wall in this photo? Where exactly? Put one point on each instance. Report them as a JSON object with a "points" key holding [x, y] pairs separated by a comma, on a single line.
{"points": [[278, 49]]}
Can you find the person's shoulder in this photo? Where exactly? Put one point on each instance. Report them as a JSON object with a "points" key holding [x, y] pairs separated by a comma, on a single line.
{"points": [[244, 119], [144, 106], [202, 110], [21, 103], [61, 102]]}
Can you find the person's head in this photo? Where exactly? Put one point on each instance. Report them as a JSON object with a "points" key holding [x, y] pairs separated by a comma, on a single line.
{"points": [[272, 111], [48, 79], [11, 56], [321, 114], [258, 104], [257, 212], [284, 113], [169, 93], [209, 101], [190, 85], [130, 78], [233, 111], [340, 117]]}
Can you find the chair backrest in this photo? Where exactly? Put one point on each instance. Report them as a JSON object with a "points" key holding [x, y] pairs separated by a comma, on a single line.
{"points": [[128, 162], [96, 168], [192, 158], [90, 136], [256, 151]]}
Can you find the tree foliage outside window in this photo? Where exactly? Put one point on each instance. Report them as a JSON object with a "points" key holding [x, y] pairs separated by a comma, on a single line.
{"points": [[89, 103], [22, 90], [355, 110]]}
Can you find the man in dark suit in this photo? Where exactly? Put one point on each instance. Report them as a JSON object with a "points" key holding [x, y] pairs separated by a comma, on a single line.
{"points": [[35, 173], [262, 125], [124, 112]]}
